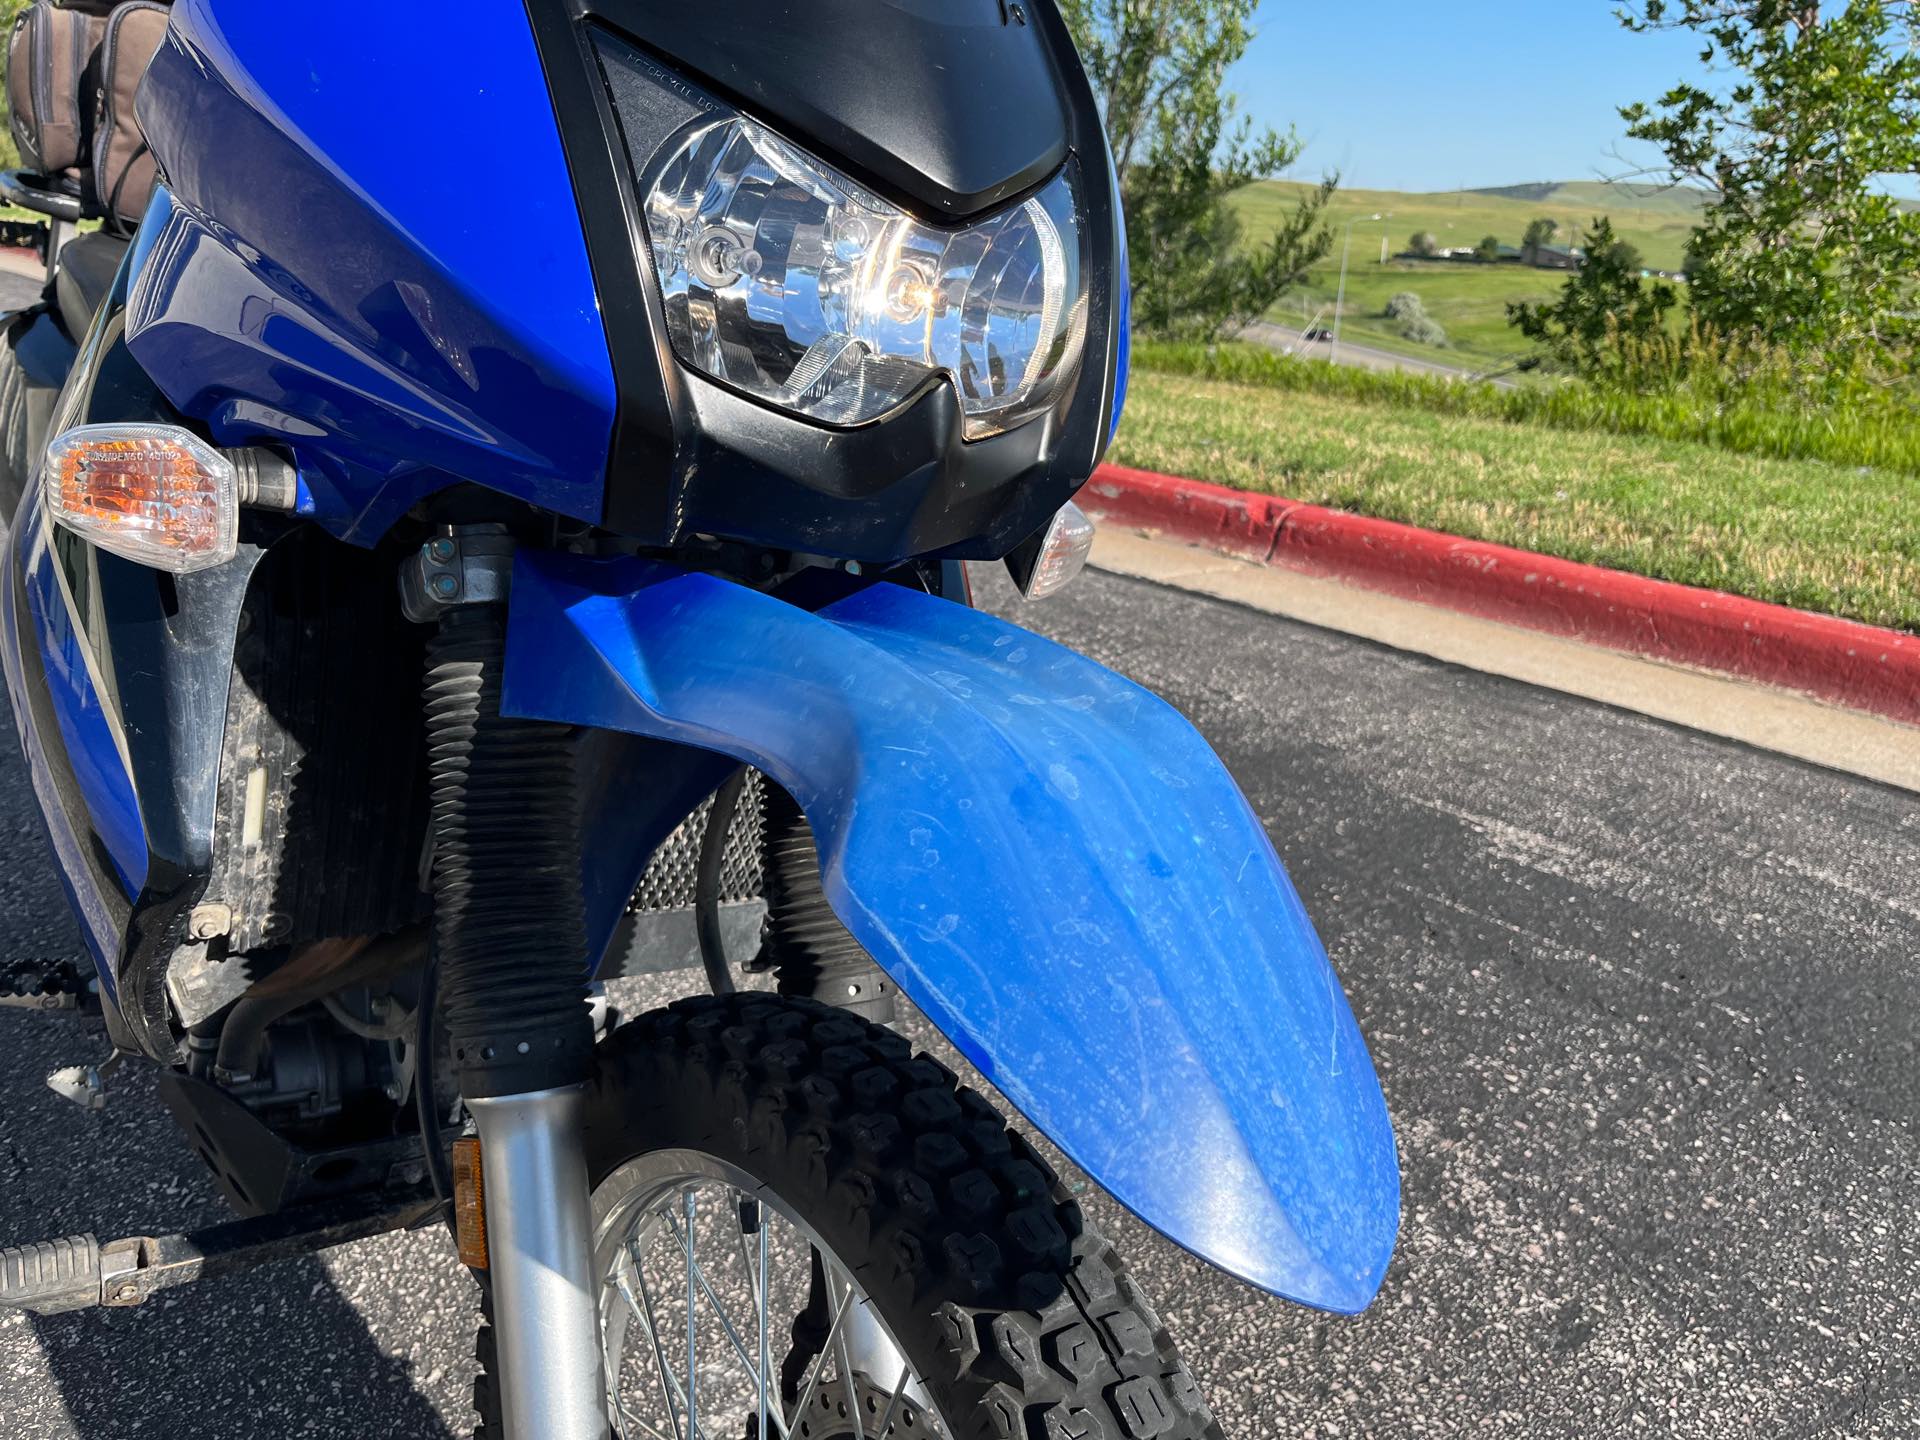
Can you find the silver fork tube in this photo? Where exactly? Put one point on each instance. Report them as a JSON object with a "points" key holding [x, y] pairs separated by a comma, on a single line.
{"points": [[540, 1255]]}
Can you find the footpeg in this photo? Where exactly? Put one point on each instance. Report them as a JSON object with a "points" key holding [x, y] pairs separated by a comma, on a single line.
{"points": [[84, 1085], [42, 984], [52, 1276], [78, 1272]]}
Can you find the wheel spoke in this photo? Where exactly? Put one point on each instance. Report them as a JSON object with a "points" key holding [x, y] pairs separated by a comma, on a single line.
{"points": [[614, 1401], [646, 1285], [670, 1386], [766, 1355], [660, 1368], [720, 1312], [820, 1360], [610, 1360], [893, 1400], [845, 1358], [693, 1315], [622, 1417]]}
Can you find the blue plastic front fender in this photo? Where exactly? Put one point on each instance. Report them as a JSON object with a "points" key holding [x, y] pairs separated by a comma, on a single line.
{"points": [[1051, 862]]}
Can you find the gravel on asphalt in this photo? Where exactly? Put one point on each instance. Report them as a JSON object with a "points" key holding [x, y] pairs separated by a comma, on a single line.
{"points": [[1642, 1001]]}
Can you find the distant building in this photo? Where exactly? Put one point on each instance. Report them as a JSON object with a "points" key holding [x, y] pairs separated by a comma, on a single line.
{"points": [[1470, 255], [1559, 257]]}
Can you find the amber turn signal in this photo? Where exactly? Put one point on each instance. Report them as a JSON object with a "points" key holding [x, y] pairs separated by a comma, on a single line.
{"points": [[1062, 554], [469, 1204], [153, 493]]}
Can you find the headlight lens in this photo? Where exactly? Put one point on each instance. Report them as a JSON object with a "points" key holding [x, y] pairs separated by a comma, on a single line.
{"points": [[787, 280]]}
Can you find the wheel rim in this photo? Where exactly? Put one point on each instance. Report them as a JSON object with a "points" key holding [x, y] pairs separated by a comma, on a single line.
{"points": [[711, 1288]]}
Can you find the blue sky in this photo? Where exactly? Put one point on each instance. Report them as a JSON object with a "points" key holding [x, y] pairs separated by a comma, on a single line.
{"points": [[1401, 95]]}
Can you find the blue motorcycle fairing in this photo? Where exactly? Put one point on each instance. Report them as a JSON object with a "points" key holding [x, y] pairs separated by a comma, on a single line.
{"points": [[1050, 861], [55, 704], [332, 273], [90, 726], [118, 675]]}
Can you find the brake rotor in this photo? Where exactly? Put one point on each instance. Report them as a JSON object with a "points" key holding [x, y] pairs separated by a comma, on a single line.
{"points": [[830, 1415]]}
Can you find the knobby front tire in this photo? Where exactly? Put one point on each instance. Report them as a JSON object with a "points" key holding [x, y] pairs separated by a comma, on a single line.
{"points": [[1015, 1315]]}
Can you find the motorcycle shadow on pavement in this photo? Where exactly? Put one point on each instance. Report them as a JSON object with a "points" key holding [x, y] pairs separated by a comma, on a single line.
{"points": [[375, 1340], [283, 1350]]}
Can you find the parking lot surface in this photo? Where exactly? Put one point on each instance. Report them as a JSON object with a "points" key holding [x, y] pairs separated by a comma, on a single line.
{"points": [[1643, 1003]]}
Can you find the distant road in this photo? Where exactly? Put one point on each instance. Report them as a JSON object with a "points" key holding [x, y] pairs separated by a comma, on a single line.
{"points": [[1279, 337]]}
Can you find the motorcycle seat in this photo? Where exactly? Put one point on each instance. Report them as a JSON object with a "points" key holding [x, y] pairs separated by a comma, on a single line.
{"points": [[85, 274]]}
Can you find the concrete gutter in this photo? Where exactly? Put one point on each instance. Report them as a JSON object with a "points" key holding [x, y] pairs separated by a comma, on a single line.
{"points": [[1861, 667], [1780, 721]]}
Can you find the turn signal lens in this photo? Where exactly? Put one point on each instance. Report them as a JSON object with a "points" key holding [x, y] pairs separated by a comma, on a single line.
{"points": [[153, 493], [469, 1204], [1063, 553]]}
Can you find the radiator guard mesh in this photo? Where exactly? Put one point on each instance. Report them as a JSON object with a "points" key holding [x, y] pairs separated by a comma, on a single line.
{"points": [[657, 933]]}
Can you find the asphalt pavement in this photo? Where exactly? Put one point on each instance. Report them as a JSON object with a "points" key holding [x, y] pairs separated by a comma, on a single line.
{"points": [[18, 287], [1643, 1002]]}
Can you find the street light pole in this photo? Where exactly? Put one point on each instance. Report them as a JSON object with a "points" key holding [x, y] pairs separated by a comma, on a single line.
{"points": [[1340, 295]]}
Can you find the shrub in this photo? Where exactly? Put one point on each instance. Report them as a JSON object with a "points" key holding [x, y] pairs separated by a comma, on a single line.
{"points": [[1424, 330], [1424, 242], [1414, 322], [1686, 387]]}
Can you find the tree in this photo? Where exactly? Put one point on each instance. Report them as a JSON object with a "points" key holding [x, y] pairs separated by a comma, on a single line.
{"points": [[9, 152], [1425, 243], [1488, 250], [1603, 303], [1625, 254], [1799, 246], [1539, 235], [1181, 151]]}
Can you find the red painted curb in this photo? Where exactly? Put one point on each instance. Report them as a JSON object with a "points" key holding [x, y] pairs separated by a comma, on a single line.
{"points": [[1860, 666]]}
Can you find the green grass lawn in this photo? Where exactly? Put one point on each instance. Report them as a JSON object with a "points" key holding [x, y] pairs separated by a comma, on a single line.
{"points": [[1657, 223], [1838, 539], [1468, 300]]}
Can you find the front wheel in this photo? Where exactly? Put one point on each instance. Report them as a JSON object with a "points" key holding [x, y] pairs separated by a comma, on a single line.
{"points": [[806, 1232]]}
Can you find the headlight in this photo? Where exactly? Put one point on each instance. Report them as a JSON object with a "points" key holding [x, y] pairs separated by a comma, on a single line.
{"points": [[787, 280]]}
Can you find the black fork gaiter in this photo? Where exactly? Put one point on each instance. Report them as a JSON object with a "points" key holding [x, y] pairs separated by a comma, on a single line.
{"points": [[509, 922]]}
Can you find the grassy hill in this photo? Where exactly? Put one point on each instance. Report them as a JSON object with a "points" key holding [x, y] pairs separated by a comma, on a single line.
{"points": [[1469, 300], [1603, 196]]}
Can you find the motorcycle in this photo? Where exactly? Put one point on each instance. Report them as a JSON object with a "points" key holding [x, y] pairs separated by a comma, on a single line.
{"points": [[487, 514]]}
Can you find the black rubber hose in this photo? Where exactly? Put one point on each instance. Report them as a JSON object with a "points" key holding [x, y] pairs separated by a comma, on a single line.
{"points": [[312, 972], [243, 1037], [425, 1106], [509, 921], [706, 883]]}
